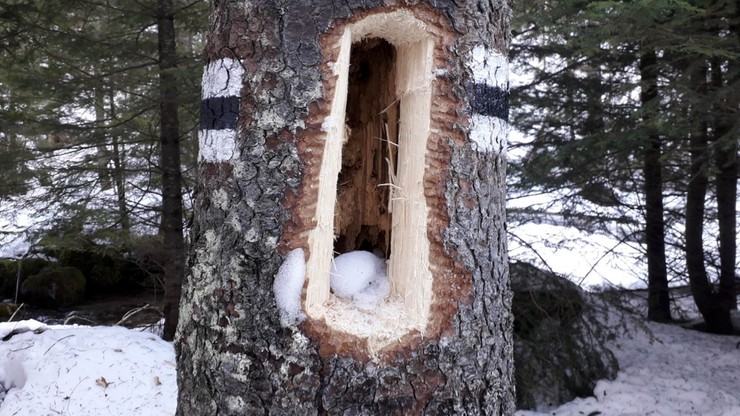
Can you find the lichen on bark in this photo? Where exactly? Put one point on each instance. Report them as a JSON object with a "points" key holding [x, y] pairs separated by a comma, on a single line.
{"points": [[234, 357]]}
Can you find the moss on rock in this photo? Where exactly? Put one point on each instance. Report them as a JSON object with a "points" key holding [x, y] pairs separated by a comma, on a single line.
{"points": [[7, 310], [54, 286], [100, 265], [9, 273]]}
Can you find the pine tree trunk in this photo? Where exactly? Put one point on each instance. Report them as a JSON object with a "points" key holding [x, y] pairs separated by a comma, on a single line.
{"points": [[725, 159], [170, 165], [659, 307], [119, 173], [715, 313], [273, 106]]}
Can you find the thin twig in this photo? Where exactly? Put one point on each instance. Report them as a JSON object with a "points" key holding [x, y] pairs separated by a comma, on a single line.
{"points": [[55, 343], [82, 318], [16, 311], [73, 392], [531, 247], [131, 313], [603, 256]]}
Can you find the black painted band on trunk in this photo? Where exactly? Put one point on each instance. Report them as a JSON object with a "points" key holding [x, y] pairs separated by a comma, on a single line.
{"points": [[219, 113], [489, 101]]}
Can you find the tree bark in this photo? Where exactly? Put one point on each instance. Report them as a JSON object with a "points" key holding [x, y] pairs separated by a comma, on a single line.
{"points": [[170, 164], [715, 313], [659, 307], [256, 202], [725, 160]]}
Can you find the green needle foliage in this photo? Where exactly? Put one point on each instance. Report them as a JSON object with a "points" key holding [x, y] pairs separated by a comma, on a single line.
{"points": [[79, 109], [615, 94]]}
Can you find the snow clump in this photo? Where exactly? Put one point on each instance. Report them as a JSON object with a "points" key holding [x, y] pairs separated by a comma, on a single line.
{"points": [[12, 375], [288, 286], [360, 276]]}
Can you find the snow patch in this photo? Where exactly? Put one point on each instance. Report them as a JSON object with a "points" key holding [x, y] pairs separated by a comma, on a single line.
{"points": [[288, 287], [86, 371], [664, 370], [361, 276], [12, 375], [20, 327], [327, 124]]}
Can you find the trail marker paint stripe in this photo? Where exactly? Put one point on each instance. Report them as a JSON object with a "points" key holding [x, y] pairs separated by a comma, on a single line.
{"points": [[489, 67], [219, 110], [488, 100], [217, 145], [222, 78], [488, 134], [219, 113]]}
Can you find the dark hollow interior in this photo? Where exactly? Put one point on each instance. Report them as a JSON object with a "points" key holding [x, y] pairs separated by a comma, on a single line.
{"points": [[363, 220]]}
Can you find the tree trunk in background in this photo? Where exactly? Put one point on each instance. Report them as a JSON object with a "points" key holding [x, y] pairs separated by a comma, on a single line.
{"points": [[659, 307], [119, 173], [725, 159], [170, 164], [715, 314], [269, 88]]}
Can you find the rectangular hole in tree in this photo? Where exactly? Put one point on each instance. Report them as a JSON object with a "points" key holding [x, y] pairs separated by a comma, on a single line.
{"points": [[371, 181]]}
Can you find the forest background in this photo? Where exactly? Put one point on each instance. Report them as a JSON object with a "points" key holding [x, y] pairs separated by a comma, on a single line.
{"points": [[624, 141]]}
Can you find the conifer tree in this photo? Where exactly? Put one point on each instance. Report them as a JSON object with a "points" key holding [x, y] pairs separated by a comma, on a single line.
{"points": [[82, 83], [651, 110]]}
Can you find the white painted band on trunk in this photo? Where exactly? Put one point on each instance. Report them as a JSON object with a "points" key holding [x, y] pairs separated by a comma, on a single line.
{"points": [[217, 145], [488, 134], [489, 67], [222, 78]]}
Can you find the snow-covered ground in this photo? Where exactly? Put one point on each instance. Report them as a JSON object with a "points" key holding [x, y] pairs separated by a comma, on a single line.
{"points": [[666, 370], [77, 370]]}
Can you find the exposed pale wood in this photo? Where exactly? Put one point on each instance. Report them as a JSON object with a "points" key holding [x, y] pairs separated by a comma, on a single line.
{"points": [[409, 262], [321, 238]]}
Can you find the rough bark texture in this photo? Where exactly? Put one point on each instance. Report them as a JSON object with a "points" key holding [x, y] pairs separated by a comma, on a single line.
{"points": [[169, 161], [659, 306], [233, 355]]}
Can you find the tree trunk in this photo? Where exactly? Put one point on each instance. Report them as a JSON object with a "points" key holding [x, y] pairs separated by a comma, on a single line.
{"points": [[423, 90], [659, 307], [725, 159], [715, 314], [119, 173], [170, 164]]}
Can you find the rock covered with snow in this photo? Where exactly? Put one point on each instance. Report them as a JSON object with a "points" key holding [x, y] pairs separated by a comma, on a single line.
{"points": [[288, 286], [12, 375], [559, 346], [360, 276]]}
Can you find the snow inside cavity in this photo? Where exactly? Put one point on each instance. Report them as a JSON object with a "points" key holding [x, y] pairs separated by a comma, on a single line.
{"points": [[360, 276], [288, 286]]}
